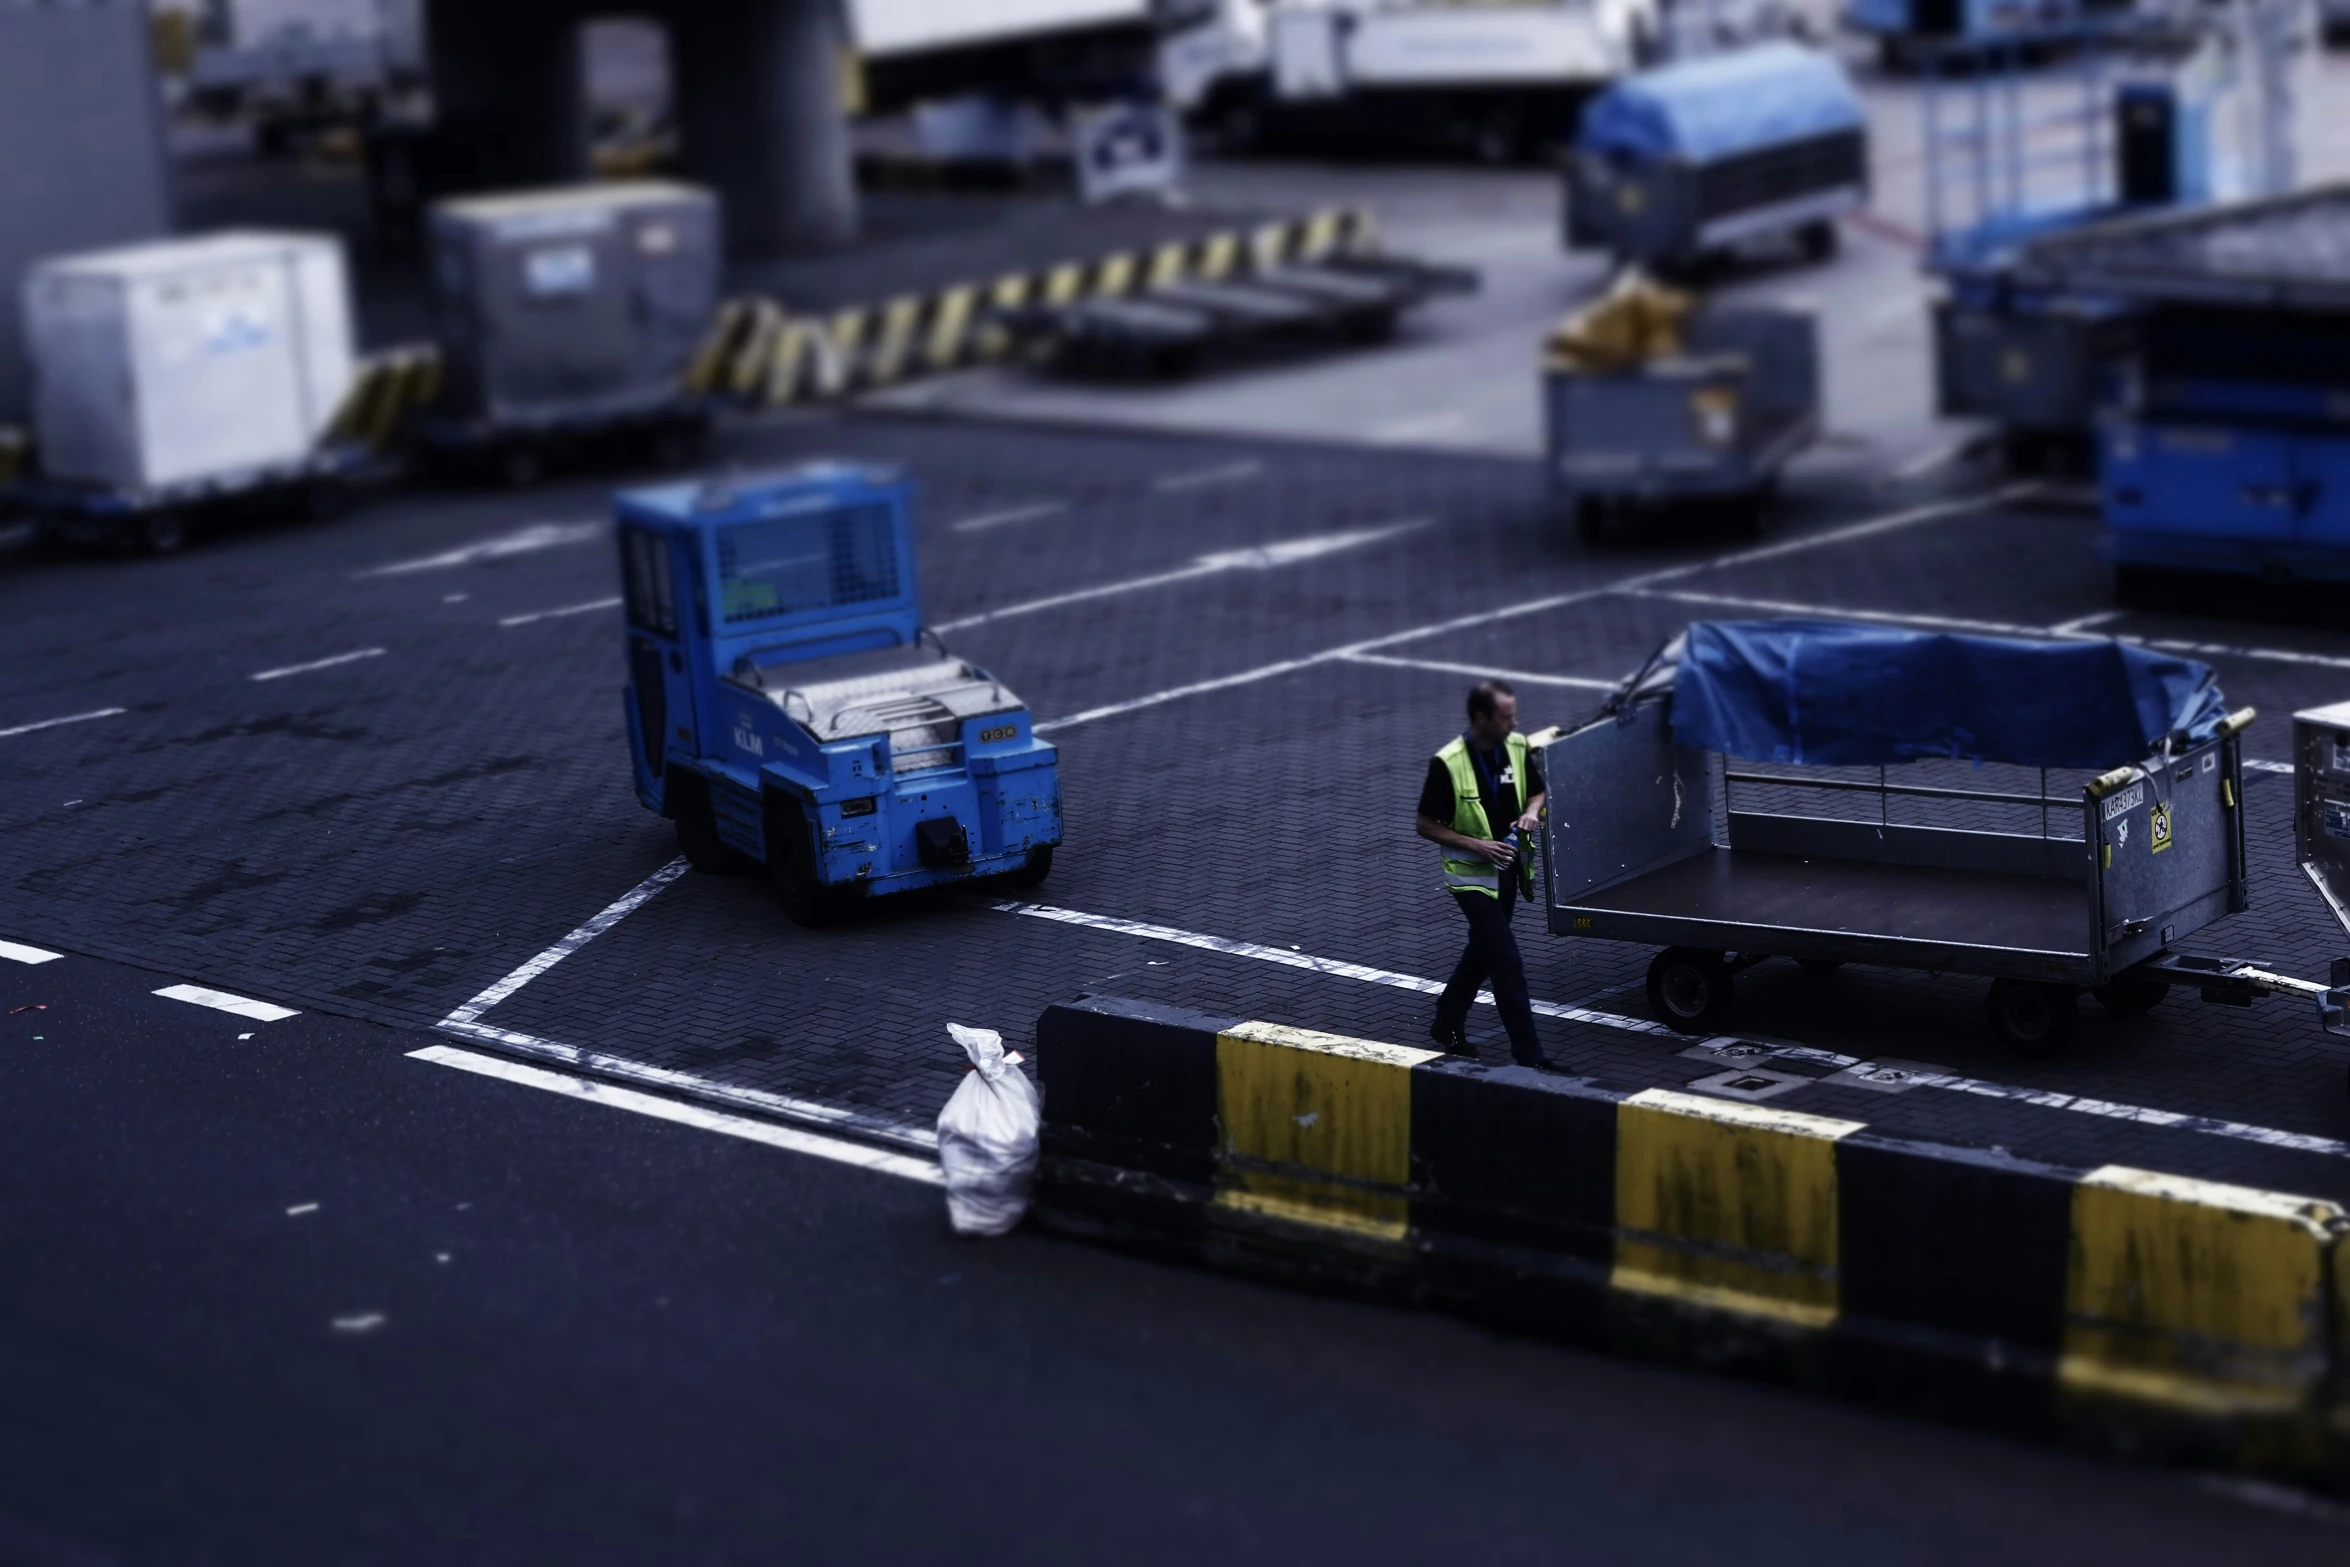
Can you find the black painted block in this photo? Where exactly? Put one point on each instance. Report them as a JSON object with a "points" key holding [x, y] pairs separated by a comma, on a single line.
{"points": [[1514, 1157]]}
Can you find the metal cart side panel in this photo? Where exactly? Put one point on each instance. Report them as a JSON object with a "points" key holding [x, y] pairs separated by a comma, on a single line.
{"points": [[2171, 853], [1624, 800]]}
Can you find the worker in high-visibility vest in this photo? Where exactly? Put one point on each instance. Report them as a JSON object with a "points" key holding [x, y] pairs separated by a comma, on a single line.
{"points": [[1480, 805]]}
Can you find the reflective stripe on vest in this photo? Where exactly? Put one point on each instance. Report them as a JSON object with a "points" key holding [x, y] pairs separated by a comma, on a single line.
{"points": [[1476, 874]]}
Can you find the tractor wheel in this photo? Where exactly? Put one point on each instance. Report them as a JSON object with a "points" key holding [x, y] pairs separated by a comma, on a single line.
{"points": [[697, 834], [791, 869], [1039, 865]]}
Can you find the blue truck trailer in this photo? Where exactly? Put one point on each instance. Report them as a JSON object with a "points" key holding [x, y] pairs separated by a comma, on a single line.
{"points": [[787, 710], [2227, 446], [1678, 164]]}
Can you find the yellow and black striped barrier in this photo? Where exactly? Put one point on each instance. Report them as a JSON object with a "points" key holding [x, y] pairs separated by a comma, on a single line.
{"points": [[761, 354], [387, 388], [2160, 1310], [16, 453]]}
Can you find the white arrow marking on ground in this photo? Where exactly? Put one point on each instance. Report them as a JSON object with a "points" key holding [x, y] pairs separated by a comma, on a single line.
{"points": [[1262, 557], [523, 541]]}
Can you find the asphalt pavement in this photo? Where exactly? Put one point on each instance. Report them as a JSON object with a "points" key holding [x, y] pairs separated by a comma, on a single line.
{"points": [[284, 1292]]}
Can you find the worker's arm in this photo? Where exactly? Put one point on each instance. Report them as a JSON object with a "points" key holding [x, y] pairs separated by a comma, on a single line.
{"points": [[1435, 831], [1532, 819]]}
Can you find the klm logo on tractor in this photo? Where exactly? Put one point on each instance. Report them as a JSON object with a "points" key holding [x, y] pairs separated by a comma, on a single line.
{"points": [[747, 739]]}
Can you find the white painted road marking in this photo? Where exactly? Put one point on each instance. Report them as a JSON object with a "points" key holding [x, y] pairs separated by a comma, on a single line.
{"points": [[15, 953], [70, 718], [2255, 764], [1265, 557], [1934, 457], [2269, 1137], [880, 1161], [1480, 672], [1005, 518], [1223, 473], [589, 608], [626, 905], [222, 1001], [523, 541], [317, 663], [1874, 525], [1418, 426]]}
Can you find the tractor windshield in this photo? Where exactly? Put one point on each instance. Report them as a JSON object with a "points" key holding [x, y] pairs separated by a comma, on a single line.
{"points": [[773, 567]]}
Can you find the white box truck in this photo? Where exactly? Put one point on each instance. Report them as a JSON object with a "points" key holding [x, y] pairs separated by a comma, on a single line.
{"points": [[187, 361]]}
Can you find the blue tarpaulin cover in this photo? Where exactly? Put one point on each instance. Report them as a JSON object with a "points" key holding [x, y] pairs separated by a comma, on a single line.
{"points": [[1830, 693], [1723, 104]]}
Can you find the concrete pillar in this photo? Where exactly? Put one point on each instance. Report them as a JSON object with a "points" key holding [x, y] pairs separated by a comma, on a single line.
{"points": [[759, 112], [508, 93], [82, 161]]}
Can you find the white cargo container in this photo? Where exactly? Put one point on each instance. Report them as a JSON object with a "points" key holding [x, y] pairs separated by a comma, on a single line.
{"points": [[187, 360]]}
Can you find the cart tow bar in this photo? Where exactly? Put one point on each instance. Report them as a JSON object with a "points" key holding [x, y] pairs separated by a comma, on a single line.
{"points": [[2234, 983]]}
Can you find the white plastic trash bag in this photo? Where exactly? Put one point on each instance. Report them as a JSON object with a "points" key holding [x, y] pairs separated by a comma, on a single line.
{"points": [[987, 1137]]}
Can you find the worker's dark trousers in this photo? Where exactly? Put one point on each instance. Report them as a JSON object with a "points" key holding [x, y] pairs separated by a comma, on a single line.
{"points": [[1492, 958]]}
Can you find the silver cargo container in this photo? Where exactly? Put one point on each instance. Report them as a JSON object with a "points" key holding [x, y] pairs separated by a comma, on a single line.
{"points": [[576, 303], [187, 360]]}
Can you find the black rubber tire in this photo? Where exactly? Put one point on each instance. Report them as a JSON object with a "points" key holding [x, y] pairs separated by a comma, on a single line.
{"points": [[1038, 866], [163, 532], [1822, 969], [519, 467], [1689, 990], [697, 834], [2032, 1019], [1819, 240], [2132, 995], [1595, 521], [791, 869]]}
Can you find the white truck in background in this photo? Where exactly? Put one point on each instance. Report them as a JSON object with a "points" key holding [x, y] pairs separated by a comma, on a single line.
{"points": [[289, 66], [1503, 80]]}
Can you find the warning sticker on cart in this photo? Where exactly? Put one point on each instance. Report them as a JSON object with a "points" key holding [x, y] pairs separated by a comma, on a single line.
{"points": [[2158, 830], [2128, 800]]}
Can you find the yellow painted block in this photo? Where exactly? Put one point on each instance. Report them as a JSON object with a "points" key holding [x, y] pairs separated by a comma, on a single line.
{"points": [[1728, 1205], [1218, 255], [1317, 1127], [1064, 283], [950, 327], [1116, 275], [1269, 246], [2197, 1295], [1167, 265]]}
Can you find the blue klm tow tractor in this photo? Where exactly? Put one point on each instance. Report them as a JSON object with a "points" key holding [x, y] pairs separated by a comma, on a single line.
{"points": [[786, 708]]}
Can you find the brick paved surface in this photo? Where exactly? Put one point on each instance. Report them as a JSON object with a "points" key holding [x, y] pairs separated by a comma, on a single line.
{"points": [[387, 836]]}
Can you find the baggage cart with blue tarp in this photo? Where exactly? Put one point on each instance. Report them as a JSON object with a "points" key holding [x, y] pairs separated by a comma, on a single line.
{"points": [[2014, 153], [1817, 791], [2228, 449], [786, 709], [1714, 423], [1686, 161]]}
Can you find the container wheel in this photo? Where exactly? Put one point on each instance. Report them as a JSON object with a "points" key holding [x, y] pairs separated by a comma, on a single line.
{"points": [[1689, 990], [2032, 1019], [1819, 969], [163, 532], [2132, 995], [1038, 866], [520, 466], [1595, 521], [1819, 239]]}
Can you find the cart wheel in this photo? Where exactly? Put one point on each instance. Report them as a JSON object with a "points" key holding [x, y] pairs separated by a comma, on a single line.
{"points": [[697, 834], [1819, 970], [1594, 521], [1689, 990], [2031, 1019], [1038, 866], [2132, 995], [519, 466], [325, 499], [163, 533], [677, 445], [1819, 239], [791, 869]]}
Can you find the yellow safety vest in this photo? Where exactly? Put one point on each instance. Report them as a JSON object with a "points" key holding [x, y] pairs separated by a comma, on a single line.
{"points": [[1476, 874]]}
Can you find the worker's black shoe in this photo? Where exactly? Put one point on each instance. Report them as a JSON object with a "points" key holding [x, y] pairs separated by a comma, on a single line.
{"points": [[1452, 1041], [1541, 1064]]}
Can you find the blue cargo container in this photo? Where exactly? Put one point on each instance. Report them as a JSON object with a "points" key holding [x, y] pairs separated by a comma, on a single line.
{"points": [[787, 710]]}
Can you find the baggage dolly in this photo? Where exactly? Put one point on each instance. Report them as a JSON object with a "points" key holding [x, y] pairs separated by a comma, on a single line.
{"points": [[1658, 835], [1714, 424], [162, 519], [521, 448]]}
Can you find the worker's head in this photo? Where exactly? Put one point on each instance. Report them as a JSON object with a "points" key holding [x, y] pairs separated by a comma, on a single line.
{"points": [[1493, 713]]}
